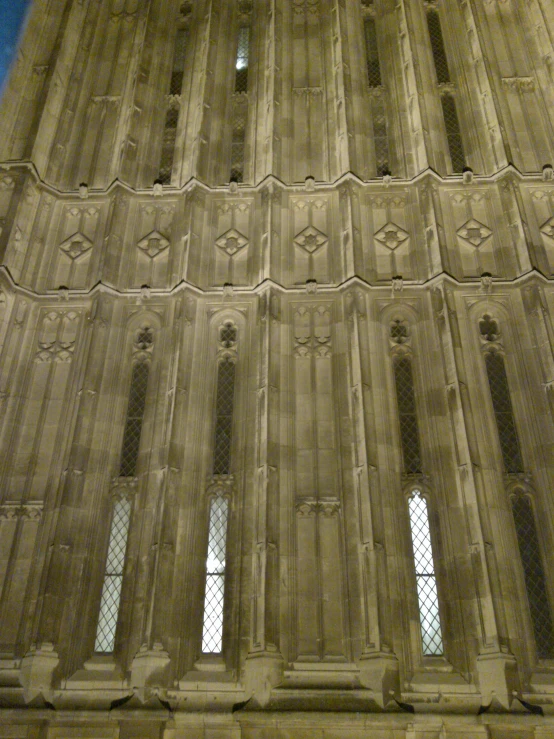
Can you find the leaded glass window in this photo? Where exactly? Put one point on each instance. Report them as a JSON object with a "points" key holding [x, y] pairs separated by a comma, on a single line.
{"points": [[113, 577], [224, 416], [426, 581], [453, 134], [534, 576], [212, 632], [437, 47], [133, 423], [372, 53], [243, 50], [405, 396], [503, 412]]}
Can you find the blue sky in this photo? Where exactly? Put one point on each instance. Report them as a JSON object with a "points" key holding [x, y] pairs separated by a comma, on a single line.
{"points": [[12, 13]]}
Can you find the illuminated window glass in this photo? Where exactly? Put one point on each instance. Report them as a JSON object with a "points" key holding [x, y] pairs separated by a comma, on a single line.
{"points": [[243, 49], [431, 634], [113, 577], [212, 633]]}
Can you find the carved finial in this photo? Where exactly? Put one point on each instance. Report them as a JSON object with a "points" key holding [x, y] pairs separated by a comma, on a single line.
{"points": [[157, 190], [83, 191], [63, 293], [547, 173], [311, 287], [233, 186], [145, 292], [228, 290], [309, 184], [467, 176], [387, 179]]}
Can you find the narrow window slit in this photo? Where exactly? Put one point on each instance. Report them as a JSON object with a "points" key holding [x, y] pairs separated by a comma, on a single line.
{"points": [[426, 581]]}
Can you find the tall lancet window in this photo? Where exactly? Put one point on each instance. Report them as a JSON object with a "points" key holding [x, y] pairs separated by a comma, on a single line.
{"points": [[427, 596], [524, 519], [121, 513], [500, 395], [173, 106], [446, 92], [214, 594], [377, 95], [534, 575], [405, 396], [240, 104]]}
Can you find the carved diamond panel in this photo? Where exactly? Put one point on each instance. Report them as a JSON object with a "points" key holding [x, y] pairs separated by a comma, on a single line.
{"points": [[75, 246], [153, 244], [391, 236], [474, 232], [231, 242], [310, 239], [547, 228]]}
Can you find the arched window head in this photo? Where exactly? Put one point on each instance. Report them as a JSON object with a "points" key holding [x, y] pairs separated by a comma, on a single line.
{"points": [[426, 581], [399, 331], [228, 335], [488, 328]]}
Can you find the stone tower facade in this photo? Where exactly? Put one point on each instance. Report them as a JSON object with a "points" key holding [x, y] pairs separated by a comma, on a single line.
{"points": [[277, 370]]}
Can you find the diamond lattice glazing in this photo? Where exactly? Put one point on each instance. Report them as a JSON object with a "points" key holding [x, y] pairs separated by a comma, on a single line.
{"points": [[243, 48], [503, 413], [372, 53], [437, 47], [224, 417], [453, 133], [133, 424], [535, 581], [113, 578], [380, 139], [409, 433], [212, 635], [427, 595]]}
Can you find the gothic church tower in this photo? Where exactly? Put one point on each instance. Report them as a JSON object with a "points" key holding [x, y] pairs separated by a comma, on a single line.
{"points": [[277, 370]]}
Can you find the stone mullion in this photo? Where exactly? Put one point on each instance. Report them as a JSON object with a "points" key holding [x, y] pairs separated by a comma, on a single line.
{"points": [[413, 86], [52, 592], [155, 630], [343, 93], [198, 135], [512, 207], [127, 109], [378, 666], [59, 78], [434, 231], [493, 660], [268, 122], [264, 662], [489, 102], [346, 196]]}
